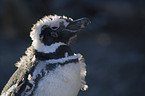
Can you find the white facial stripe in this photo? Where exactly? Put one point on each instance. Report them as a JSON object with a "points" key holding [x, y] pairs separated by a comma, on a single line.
{"points": [[47, 49], [51, 21], [62, 60], [36, 30], [10, 90]]}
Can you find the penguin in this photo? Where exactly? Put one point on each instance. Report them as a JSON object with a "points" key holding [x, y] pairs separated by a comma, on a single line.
{"points": [[49, 67]]}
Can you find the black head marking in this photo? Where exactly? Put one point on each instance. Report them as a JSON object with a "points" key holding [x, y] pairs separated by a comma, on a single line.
{"points": [[65, 34], [45, 36], [50, 35]]}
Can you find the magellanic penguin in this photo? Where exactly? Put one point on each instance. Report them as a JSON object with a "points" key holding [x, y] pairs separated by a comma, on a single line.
{"points": [[50, 68]]}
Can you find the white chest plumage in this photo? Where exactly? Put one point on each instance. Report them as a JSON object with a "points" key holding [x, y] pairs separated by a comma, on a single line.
{"points": [[63, 81]]}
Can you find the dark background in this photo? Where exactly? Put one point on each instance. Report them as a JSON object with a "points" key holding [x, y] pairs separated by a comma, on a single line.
{"points": [[113, 44]]}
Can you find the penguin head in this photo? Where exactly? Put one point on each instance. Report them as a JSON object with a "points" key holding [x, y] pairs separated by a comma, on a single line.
{"points": [[54, 29]]}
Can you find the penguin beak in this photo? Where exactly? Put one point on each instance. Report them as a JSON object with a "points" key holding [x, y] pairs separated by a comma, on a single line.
{"points": [[78, 24]]}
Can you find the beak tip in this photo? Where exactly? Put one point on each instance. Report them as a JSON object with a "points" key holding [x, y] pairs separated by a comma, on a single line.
{"points": [[86, 21], [78, 24]]}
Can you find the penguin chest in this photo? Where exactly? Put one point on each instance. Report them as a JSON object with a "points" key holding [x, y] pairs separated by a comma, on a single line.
{"points": [[62, 81]]}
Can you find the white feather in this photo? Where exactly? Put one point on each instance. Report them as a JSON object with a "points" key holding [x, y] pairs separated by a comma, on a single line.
{"points": [[63, 81], [12, 88]]}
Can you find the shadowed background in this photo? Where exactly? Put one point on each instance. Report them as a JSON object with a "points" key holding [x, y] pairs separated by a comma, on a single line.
{"points": [[113, 44]]}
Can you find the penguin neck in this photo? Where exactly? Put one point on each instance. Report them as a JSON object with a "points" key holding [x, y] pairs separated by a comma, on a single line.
{"points": [[53, 51]]}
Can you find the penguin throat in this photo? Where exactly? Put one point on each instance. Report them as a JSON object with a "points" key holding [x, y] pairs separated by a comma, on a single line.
{"points": [[61, 52]]}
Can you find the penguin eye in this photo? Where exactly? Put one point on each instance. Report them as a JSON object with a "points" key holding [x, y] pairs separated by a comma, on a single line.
{"points": [[54, 28]]}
